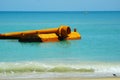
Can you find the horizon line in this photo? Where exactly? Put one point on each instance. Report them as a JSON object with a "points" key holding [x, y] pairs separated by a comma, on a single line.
{"points": [[64, 11]]}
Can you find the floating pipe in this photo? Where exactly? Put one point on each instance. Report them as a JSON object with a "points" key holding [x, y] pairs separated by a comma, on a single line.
{"points": [[62, 32]]}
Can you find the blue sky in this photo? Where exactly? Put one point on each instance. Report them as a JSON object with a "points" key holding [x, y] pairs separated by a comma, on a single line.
{"points": [[59, 5]]}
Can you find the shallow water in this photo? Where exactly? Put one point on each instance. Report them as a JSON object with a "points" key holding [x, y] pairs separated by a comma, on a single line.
{"points": [[98, 49]]}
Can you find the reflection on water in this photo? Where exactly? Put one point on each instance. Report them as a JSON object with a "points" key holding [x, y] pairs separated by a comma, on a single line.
{"points": [[30, 43], [62, 44]]}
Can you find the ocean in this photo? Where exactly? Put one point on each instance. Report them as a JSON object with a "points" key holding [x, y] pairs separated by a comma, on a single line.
{"points": [[97, 52]]}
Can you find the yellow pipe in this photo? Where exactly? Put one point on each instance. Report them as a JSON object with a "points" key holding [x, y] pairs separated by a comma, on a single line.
{"points": [[62, 32]]}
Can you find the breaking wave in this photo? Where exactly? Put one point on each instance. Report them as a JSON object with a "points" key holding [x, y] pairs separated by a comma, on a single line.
{"points": [[22, 67]]}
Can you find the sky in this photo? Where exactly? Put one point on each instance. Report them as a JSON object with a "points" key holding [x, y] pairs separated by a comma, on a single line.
{"points": [[59, 5]]}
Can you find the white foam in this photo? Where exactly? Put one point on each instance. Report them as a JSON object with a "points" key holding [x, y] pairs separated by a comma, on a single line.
{"points": [[49, 67]]}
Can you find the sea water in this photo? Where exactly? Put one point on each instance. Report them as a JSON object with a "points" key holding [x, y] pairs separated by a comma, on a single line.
{"points": [[98, 51]]}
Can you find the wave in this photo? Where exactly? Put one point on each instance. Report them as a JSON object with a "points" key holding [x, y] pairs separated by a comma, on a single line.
{"points": [[22, 67]]}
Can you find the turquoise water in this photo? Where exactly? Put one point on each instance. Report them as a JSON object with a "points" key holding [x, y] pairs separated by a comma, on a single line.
{"points": [[97, 51]]}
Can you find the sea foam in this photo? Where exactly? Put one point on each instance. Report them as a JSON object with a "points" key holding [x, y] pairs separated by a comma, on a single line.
{"points": [[23, 67]]}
